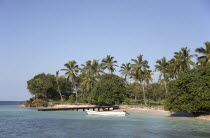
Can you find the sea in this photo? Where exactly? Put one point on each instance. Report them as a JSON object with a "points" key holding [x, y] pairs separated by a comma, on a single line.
{"points": [[21, 122]]}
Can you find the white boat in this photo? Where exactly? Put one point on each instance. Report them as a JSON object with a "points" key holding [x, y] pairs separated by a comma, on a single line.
{"points": [[106, 113]]}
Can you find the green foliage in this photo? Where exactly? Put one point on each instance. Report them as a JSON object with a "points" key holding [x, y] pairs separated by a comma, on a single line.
{"points": [[41, 84], [126, 70], [44, 86], [109, 64], [204, 59], [155, 92], [190, 92], [137, 68], [126, 101], [135, 91], [65, 87], [72, 98], [110, 89], [71, 70], [180, 63], [82, 99]]}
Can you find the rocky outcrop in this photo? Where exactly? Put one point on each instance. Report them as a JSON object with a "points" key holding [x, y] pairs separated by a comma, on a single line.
{"points": [[32, 102]]}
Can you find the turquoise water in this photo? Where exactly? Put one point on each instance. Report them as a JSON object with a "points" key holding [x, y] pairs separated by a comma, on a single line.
{"points": [[28, 122]]}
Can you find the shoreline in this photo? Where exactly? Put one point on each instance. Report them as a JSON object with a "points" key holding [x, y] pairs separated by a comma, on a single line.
{"points": [[144, 109], [140, 109], [136, 109], [166, 113]]}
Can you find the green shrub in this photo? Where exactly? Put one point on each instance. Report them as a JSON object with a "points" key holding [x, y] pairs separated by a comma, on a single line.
{"points": [[126, 101], [82, 99], [44, 86], [72, 98], [109, 90], [190, 92], [41, 86]]}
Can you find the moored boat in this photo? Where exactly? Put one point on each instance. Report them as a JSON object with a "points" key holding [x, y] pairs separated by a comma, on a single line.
{"points": [[106, 113]]}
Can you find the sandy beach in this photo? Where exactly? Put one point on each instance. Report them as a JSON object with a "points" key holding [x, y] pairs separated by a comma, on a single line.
{"points": [[205, 117], [152, 111], [165, 113]]}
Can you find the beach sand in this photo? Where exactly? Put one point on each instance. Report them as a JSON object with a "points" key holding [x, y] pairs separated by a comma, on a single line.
{"points": [[205, 117], [166, 113], [152, 111]]}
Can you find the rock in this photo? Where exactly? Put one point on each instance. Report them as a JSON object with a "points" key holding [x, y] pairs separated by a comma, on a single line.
{"points": [[32, 102]]}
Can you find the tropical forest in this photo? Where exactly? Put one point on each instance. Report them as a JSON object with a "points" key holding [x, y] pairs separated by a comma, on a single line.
{"points": [[183, 84]]}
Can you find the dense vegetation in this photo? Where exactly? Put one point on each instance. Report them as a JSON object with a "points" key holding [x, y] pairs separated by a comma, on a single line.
{"points": [[95, 82], [110, 89], [190, 92], [44, 86]]}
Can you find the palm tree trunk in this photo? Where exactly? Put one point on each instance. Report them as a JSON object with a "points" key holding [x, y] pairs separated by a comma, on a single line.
{"points": [[165, 83], [144, 96], [135, 92], [76, 92], [59, 91], [110, 72]]}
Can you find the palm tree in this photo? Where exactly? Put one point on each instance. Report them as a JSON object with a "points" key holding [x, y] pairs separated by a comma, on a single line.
{"points": [[71, 73], [97, 68], [183, 60], [91, 70], [205, 58], [173, 67], [126, 70], [147, 77], [138, 65], [137, 69], [87, 67], [136, 79], [87, 81], [57, 81], [163, 67], [109, 64]]}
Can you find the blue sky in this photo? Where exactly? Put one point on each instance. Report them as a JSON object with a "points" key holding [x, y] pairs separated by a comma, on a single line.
{"points": [[41, 36]]}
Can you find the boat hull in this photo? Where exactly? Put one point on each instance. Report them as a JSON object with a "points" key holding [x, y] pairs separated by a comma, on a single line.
{"points": [[106, 113]]}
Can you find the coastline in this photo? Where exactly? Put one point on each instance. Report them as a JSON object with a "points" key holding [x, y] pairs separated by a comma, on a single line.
{"points": [[140, 109], [152, 111], [203, 117], [144, 109], [161, 111], [136, 109]]}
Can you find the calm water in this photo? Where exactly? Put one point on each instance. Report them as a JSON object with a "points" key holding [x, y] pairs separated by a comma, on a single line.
{"points": [[24, 122]]}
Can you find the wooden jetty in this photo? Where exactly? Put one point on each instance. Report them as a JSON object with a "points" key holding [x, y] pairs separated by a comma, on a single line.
{"points": [[81, 108]]}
